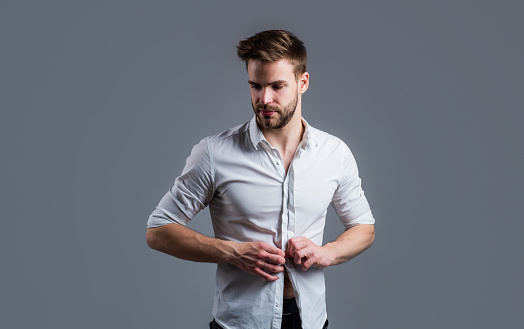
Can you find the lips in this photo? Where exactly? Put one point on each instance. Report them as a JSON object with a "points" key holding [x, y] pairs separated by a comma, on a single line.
{"points": [[267, 113]]}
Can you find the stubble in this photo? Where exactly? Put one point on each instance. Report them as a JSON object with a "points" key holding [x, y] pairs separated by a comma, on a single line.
{"points": [[284, 114]]}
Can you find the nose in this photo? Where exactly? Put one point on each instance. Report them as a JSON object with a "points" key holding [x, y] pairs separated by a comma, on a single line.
{"points": [[267, 96]]}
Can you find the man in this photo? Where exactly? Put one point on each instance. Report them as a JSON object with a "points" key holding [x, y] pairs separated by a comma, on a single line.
{"points": [[268, 184]]}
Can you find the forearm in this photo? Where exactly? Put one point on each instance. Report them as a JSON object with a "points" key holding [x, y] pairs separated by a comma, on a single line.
{"points": [[181, 242], [257, 257], [350, 243]]}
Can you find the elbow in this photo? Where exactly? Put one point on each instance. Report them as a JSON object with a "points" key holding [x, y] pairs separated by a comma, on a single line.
{"points": [[371, 235], [367, 235], [372, 238], [152, 239]]}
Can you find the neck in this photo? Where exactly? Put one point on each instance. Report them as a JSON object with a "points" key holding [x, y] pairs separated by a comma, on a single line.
{"points": [[286, 139]]}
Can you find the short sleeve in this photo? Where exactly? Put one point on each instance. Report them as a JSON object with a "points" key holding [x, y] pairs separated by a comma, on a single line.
{"points": [[191, 192], [349, 200]]}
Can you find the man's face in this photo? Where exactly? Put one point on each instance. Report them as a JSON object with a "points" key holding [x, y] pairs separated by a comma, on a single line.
{"points": [[274, 92]]}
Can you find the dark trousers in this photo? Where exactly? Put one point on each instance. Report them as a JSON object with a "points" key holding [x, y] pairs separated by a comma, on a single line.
{"points": [[290, 317]]}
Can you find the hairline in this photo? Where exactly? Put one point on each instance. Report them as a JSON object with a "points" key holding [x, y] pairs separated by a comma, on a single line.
{"points": [[294, 63]]}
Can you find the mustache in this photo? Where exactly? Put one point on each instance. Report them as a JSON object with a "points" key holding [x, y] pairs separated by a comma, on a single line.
{"points": [[261, 107]]}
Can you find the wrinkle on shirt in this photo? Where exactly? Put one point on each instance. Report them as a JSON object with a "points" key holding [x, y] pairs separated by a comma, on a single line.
{"points": [[251, 198]]}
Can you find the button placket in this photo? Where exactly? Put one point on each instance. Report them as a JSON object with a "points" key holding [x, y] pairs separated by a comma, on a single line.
{"points": [[285, 217]]}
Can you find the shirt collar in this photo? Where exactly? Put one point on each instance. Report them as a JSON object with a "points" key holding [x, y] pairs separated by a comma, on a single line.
{"points": [[255, 133], [257, 136]]}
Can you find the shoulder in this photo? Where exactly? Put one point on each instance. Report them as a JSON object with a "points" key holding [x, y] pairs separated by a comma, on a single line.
{"points": [[229, 134], [334, 149], [232, 139], [328, 141]]}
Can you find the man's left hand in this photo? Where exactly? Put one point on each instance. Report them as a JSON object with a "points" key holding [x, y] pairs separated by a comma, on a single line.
{"points": [[306, 253]]}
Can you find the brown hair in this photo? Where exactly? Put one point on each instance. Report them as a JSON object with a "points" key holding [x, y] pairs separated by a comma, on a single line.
{"points": [[273, 45]]}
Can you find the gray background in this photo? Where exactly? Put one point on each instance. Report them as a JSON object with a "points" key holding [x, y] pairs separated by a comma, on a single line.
{"points": [[101, 103]]}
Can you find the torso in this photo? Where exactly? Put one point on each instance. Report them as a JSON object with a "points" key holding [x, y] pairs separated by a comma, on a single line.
{"points": [[288, 287], [287, 158], [289, 292]]}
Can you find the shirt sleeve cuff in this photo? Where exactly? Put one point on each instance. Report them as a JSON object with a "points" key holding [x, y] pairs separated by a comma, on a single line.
{"points": [[159, 218]]}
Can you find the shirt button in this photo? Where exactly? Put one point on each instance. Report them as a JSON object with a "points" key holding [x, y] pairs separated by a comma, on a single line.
{"points": [[278, 163]]}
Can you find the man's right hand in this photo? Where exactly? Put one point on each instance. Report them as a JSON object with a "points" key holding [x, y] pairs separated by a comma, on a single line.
{"points": [[259, 258], [179, 241]]}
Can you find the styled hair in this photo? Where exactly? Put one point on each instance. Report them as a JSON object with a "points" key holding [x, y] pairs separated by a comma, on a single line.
{"points": [[273, 45]]}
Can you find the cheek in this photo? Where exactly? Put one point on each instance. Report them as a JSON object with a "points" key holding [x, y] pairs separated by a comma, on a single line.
{"points": [[254, 96]]}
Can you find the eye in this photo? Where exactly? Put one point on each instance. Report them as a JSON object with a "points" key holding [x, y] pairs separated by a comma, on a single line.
{"points": [[255, 87], [277, 87]]}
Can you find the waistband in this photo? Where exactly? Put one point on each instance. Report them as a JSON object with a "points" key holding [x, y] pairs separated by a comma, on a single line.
{"points": [[289, 306]]}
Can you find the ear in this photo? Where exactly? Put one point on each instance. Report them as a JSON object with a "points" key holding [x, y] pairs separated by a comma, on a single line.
{"points": [[303, 83]]}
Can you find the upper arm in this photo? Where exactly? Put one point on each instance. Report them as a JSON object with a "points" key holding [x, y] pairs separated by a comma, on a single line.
{"points": [[191, 192], [349, 200]]}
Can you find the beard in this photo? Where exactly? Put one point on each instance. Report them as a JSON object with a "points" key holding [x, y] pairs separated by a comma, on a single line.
{"points": [[284, 115]]}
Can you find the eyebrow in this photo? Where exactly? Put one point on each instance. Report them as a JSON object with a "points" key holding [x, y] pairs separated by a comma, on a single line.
{"points": [[278, 82]]}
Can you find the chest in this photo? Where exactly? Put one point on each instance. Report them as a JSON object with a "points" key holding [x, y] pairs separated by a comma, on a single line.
{"points": [[265, 185]]}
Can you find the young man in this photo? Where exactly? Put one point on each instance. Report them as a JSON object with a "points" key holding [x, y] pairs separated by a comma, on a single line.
{"points": [[268, 184]]}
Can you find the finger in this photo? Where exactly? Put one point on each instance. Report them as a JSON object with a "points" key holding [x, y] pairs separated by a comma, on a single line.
{"points": [[292, 246], [308, 263], [276, 251], [298, 243], [269, 267], [297, 259], [272, 249], [290, 251], [302, 255], [298, 240], [275, 259], [267, 276]]}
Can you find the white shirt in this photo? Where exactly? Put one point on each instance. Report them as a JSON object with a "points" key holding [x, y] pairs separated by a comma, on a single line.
{"points": [[251, 198]]}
